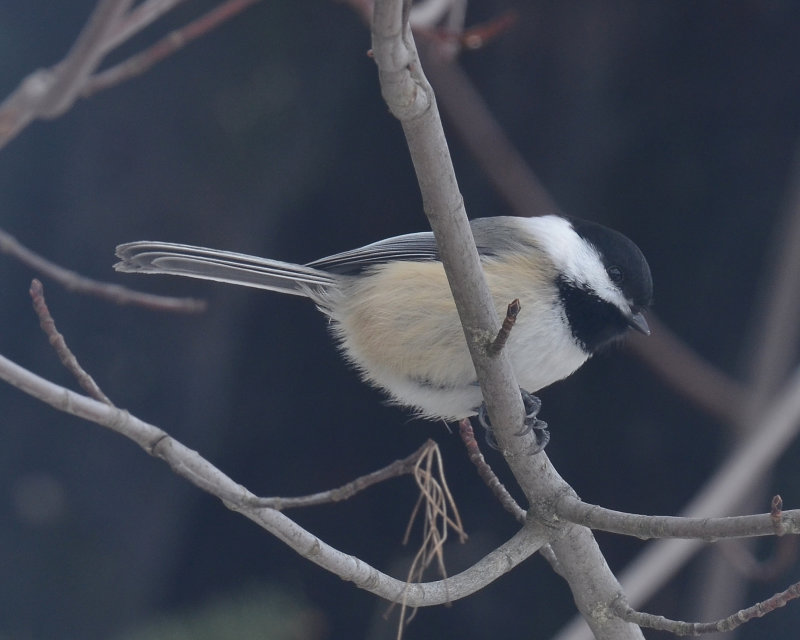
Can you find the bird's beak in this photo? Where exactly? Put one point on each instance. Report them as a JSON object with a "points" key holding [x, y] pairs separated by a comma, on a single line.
{"points": [[637, 321]]}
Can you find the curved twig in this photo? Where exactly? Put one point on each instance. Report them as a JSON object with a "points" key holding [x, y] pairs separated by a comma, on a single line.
{"points": [[621, 608], [80, 284]]}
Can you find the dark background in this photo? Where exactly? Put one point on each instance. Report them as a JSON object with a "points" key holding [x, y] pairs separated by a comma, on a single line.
{"points": [[674, 122]]}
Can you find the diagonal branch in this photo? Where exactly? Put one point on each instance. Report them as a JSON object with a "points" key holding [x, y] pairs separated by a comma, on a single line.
{"points": [[190, 465], [69, 75], [47, 93], [411, 100], [58, 343], [165, 47], [139, 18]]}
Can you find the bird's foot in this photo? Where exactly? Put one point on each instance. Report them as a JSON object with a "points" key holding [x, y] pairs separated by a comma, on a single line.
{"points": [[532, 406]]}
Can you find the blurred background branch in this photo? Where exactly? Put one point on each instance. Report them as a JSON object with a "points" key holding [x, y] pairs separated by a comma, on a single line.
{"points": [[48, 93]]}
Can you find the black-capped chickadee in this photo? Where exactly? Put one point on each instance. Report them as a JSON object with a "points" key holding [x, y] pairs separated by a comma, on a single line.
{"points": [[580, 285]]}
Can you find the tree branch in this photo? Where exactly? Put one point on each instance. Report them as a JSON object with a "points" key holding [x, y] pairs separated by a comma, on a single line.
{"points": [[648, 527], [58, 343], [137, 19], [487, 474], [48, 93], [190, 465], [68, 76], [347, 491], [73, 281], [664, 558], [680, 628], [165, 47], [411, 100]]}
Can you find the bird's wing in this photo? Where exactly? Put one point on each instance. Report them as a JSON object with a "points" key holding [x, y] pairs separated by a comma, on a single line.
{"points": [[414, 247], [493, 236]]}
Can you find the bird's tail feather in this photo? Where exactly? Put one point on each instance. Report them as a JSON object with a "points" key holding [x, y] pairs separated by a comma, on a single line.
{"points": [[221, 266]]}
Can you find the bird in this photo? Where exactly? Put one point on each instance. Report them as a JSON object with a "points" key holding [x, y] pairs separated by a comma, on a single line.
{"points": [[580, 285]]}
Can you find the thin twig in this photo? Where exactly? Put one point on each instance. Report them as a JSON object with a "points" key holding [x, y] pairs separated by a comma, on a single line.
{"points": [[47, 93], [646, 527], [776, 515], [475, 37], [487, 474], [505, 329], [621, 608], [168, 45], [347, 491], [139, 18], [478, 36], [58, 343], [81, 284], [69, 75]]}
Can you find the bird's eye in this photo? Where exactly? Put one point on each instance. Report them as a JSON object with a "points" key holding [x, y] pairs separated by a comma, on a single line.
{"points": [[616, 275]]}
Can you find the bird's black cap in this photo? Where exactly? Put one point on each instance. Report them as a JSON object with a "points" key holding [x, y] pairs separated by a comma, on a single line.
{"points": [[595, 322], [621, 256]]}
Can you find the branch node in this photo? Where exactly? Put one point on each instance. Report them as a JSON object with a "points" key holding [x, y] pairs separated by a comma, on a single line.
{"points": [[153, 447], [776, 514], [505, 329]]}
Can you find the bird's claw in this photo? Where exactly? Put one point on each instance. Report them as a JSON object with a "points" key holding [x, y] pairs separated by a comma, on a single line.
{"points": [[531, 403], [483, 418], [532, 406], [541, 435]]}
